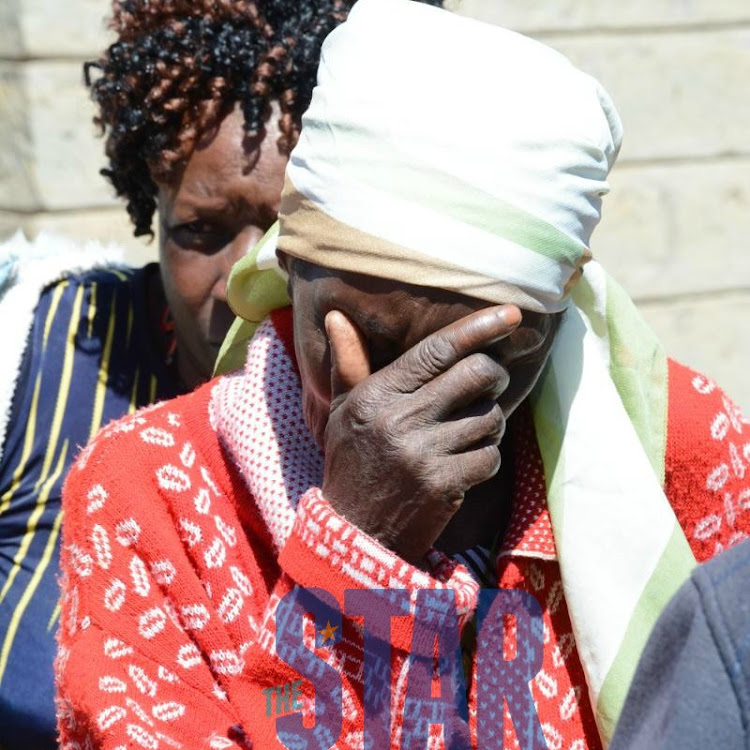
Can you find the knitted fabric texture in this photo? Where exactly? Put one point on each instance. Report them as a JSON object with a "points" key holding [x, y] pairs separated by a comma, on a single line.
{"points": [[173, 572]]}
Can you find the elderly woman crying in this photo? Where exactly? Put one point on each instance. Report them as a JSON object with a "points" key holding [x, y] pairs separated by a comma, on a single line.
{"points": [[459, 400]]}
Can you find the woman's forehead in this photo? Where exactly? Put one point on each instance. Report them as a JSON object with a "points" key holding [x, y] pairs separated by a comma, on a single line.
{"points": [[230, 168]]}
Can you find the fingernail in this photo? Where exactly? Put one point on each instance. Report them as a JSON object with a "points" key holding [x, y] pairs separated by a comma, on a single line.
{"points": [[511, 315], [327, 321]]}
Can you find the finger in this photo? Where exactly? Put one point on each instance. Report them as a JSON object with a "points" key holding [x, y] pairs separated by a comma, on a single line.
{"points": [[477, 376], [350, 359], [441, 350], [474, 467], [482, 424]]}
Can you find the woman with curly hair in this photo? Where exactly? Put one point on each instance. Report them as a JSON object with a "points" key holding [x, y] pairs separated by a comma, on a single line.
{"points": [[200, 102]]}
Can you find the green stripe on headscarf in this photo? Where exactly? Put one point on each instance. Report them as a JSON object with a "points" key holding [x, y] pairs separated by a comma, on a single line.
{"points": [[252, 292]]}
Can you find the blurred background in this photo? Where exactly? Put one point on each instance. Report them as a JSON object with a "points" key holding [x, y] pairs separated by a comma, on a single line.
{"points": [[676, 225]]}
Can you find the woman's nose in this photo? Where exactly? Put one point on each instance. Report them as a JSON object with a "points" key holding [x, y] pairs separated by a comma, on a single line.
{"points": [[241, 245]]}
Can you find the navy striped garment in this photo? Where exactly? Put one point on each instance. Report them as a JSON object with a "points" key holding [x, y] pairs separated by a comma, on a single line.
{"points": [[92, 356]]}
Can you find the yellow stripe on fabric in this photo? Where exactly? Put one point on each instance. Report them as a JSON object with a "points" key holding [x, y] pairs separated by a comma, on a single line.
{"points": [[19, 611], [54, 617], [92, 309], [31, 526], [119, 274], [672, 570], [134, 393], [53, 305], [103, 376], [28, 444], [29, 435], [64, 390], [130, 323]]}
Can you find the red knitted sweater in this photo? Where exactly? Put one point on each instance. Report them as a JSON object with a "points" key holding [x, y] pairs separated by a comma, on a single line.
{"points": [[173, 571]]}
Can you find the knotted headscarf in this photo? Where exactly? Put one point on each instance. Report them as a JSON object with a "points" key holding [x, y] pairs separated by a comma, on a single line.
{"points": [[449, 153]]}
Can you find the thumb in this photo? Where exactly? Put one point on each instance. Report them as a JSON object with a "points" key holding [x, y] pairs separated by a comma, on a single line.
{"points": [[350, 359]]}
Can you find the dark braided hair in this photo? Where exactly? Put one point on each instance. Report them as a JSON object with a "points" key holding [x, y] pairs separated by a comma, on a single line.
{"points": [[180, 66]]}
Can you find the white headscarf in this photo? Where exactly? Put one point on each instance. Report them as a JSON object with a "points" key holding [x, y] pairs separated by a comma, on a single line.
{"points": [[477, 157]]}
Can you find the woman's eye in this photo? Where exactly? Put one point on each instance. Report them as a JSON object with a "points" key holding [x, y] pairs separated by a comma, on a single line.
{"points": [[197, 227], [204, 236]]}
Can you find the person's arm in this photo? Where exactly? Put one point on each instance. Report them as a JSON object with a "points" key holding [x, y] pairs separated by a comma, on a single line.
{"points": [[138, 629], [687, 689]]}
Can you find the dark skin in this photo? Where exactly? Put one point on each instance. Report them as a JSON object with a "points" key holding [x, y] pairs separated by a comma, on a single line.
{"points": [[225, 199], [408, 390]]}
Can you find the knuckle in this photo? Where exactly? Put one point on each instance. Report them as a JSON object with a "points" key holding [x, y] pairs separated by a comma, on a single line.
{"points": [[490, 456], [411, 452], [495, 422], [360, 408], [365, 401], [443, 442], [483, 371], [502, 380], [435, 352], [387, 424], [481, 465]]}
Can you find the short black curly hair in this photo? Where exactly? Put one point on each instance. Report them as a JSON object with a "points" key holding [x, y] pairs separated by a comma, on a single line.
{"points": [[179, 66]]}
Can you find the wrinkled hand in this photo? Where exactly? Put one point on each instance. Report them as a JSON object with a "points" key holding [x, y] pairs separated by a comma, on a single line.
{"points": [[404, 444]]}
